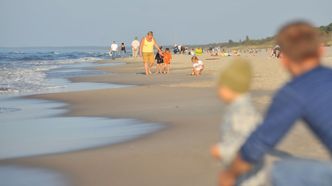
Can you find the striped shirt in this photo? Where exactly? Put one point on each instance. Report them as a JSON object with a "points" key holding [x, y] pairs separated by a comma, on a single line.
{"points": [[307, 97]]}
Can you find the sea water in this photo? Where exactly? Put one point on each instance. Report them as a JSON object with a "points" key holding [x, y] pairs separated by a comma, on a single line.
{"points": [[37, 128], [11, 175], [31, 70], [31, 127]]}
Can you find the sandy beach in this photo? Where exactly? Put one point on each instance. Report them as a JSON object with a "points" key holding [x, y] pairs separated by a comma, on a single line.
{"points": [[189, 109]]}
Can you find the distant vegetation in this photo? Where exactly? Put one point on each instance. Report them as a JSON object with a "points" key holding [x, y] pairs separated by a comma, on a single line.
{"points": [[326, 32], [326, 29]]}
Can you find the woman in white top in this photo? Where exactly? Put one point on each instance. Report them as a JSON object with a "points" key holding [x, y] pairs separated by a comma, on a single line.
{"points": [[134, 47]]}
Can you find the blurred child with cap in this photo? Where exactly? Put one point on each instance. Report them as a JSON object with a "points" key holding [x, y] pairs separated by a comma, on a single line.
{"points": [[241, 117]]}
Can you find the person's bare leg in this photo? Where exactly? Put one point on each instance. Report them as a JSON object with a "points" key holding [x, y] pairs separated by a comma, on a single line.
{"points": [[161, 68], [196, 73], [168, 68], [146, 67], [157, 68], [201, 71], [150, 67], [165, 68]]}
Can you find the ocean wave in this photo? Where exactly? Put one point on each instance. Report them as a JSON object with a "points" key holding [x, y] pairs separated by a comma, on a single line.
{"points": [[49, 56], [26, 70], [21, 80], [31, 79]]}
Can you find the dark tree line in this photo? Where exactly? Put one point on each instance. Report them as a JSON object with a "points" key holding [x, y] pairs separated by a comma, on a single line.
{"points": [[268, 41], [326, 29]]}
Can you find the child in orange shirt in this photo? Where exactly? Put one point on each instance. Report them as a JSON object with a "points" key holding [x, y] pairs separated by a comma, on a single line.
{"points": [[167, 60]]}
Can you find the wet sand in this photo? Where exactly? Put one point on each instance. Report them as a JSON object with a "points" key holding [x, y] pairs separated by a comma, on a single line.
{"points": [[186, 105]]}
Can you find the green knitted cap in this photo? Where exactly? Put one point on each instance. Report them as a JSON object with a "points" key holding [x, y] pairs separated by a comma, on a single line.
{"points": [[237, 75]]}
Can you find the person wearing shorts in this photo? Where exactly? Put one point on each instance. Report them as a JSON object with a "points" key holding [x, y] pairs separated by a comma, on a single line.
{"points": [[160, 62], [147, 46]]}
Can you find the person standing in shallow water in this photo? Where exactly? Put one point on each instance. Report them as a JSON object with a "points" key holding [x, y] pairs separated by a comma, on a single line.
{"points": [[114, 50], [148, 43]]}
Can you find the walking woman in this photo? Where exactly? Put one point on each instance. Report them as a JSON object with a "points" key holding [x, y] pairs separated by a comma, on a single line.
{"points": [[148, 43]]}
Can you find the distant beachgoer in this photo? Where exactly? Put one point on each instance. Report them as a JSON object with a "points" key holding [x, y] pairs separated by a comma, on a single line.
{"points": [[306, 97], [147, 52], [123, 48], [198, 66], [198, 51], [276, 51], [167, 60], [209, 50], [160, 62], [240, 118], [114, 50], [192, 52], [134, 47], [179, 48], [183, 49], [236, 52], [176, 49]]}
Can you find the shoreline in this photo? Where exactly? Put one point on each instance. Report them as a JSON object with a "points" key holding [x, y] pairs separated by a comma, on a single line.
{"points": [[178, 155], [57, 109]]}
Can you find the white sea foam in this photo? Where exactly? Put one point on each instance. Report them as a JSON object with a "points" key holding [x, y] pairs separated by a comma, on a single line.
{"points": [[31, 76], [23, 80]]}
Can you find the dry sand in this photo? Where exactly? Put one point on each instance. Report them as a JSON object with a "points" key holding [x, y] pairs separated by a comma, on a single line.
{"points": [[186, 105]]}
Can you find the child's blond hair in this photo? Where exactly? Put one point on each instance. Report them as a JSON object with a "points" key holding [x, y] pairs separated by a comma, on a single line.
{"points": [[194, 59], [237, 75]]}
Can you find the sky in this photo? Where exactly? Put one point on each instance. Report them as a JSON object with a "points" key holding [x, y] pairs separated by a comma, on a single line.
{"points": [[32, 23]]}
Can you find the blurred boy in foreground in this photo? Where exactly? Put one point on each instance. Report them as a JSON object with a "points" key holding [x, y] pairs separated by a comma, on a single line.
{"points": [[308, 96]]}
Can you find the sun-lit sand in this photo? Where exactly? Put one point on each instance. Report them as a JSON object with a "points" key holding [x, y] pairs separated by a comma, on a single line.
{"points": [[186, 105]]}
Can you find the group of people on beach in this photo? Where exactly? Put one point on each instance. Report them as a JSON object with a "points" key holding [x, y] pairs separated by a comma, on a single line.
{"points": [[163, 58], [247, 138], [146, 50], [113, 52]]}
